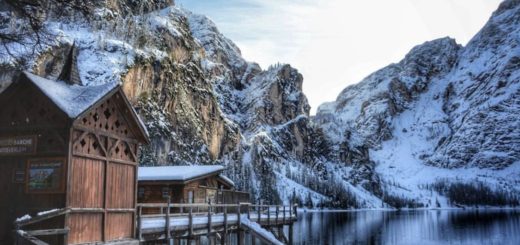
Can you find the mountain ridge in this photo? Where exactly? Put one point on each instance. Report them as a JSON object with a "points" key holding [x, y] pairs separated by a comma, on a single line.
{"points": [[388, 141]]}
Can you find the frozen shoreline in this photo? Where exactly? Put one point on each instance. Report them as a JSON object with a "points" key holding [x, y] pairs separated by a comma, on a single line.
{"points": [[303, 210]]}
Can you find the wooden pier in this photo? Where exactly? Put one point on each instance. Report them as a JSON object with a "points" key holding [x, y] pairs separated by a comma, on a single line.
{"points": [[190, 222], [187, 223]]}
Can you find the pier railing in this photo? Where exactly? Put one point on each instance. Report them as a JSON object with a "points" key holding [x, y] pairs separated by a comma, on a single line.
{"points": [[30, 237], [207, 219]]}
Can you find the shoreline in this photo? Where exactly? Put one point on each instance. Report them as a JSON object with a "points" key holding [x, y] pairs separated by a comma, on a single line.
{"points": [[305, 210]]}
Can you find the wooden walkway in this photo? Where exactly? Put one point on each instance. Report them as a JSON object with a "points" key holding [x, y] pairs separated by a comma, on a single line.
{"points": [[189, 222], [215, 221]]}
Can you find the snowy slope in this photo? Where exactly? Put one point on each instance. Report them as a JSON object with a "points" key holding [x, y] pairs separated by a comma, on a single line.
{"points": [[443, 114]]}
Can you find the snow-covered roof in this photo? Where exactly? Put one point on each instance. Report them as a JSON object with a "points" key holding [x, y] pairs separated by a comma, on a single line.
{"points": [[227, 180], [75, 99], [71, 99], [176, 173]]}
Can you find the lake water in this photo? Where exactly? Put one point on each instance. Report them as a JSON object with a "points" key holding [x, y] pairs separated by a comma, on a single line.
{"points": [[409, 227]]}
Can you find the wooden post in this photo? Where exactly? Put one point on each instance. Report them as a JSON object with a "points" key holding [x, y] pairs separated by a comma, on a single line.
{"points": [[295, 211], [241, 237], [209, 220], [248, 211], [268, 215], [291, 233], [277, 212], [224, 235], [139, 223], [190, 223], [238, 216], [258, 208], [168, 236], [284, 214]]}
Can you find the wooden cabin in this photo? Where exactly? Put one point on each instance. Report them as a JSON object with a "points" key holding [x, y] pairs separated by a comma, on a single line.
{"points": [[68, 147], [187, 184]]}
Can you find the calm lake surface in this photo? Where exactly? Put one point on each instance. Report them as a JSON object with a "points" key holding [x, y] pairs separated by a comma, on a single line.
{"points": [[409, 227]]}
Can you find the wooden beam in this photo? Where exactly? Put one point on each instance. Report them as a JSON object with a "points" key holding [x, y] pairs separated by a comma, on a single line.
{"points": [[283, 214], [259, 214], [49, 232], [87, 210], [76, 154], [241, 237], [277, 213], [134, 156], [268, 215], [238, 216], [110, 135], [111, 149], [282, 235], [42, 217], [139, 223], [290, 234], [168, 236], [225, 225], [190, 222], [101, 145], [33, 240], [209, 220], [81, 136]]}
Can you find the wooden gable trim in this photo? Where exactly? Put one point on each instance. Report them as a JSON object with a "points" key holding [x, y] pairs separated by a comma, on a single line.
{"points": [[98, 103], [141, 134], [134, 115]]}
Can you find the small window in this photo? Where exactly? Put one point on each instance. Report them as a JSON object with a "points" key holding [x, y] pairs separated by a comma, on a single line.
{"points": [[190, 197], [165, 192], [140, 192]]}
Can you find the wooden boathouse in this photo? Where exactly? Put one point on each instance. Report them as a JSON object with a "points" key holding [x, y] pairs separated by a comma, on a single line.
{"points": [[187, 184], [69, 175], [193, 203], [68, 162]]}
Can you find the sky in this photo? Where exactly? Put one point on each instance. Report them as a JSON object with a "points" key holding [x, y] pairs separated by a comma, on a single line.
{"points": [[335, 43]]}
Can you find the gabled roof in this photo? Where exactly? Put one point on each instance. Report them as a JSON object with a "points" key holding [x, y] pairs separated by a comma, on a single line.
{"points": [[71, 99], [177, 173], [74, 100], [227, 180]]}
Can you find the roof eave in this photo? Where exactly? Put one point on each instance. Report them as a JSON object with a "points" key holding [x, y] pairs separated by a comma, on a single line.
{"points": [[186, 181]]}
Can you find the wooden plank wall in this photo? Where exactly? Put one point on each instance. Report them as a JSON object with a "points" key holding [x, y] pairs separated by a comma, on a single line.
{"points": [[29, 113], [104, 157], [119, 196], [85, 227], [86, 183]]}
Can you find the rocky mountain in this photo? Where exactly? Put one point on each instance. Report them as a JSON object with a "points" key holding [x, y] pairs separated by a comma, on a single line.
{"points": [[408, 134], [444, 113]]}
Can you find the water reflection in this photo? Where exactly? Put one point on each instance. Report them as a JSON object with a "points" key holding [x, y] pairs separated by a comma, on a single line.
{"points": [[409, 227]]}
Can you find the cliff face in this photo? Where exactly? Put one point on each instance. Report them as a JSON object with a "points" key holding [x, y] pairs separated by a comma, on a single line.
{"points": [[432, 116], [201, 101]]}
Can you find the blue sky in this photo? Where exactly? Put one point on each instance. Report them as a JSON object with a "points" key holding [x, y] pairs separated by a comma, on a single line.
{"points": [[335, 43]]}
